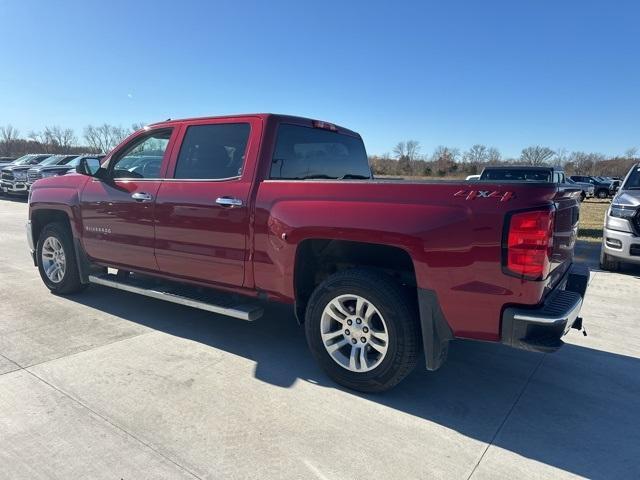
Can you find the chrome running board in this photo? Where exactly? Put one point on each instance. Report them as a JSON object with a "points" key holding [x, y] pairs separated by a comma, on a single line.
{"points": [[222, 304]]}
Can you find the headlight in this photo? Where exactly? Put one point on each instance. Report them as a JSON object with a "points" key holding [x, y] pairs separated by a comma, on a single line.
{"points": [[49, 174], [20, 175], [622, 211]]}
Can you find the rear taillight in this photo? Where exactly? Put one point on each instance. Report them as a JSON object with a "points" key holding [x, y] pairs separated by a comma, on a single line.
{"points": [[529, 244]]}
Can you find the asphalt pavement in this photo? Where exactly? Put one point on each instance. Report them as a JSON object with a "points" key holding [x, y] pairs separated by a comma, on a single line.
{"points": [[111, 385]]}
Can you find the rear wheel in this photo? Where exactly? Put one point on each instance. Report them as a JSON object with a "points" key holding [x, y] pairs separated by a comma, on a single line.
{"points": [[362, 329], [57, 260]]}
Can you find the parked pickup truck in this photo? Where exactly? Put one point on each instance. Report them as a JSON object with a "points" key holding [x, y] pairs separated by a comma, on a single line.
{"points": [[225, 213], [537, 173]]}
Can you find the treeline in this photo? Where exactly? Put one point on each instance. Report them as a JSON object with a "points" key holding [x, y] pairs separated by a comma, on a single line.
{"points": [[407, 160], [55, 139]]}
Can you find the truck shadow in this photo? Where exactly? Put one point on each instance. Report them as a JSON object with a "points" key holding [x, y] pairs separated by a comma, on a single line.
{"points": [[579, 413]]}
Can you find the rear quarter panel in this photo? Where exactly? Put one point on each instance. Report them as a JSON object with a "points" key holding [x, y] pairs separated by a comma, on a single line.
{"points": [[455, 241]]}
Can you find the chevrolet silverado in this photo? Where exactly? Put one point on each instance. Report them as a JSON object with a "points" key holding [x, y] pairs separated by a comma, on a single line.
{"points": [[225, 213]]}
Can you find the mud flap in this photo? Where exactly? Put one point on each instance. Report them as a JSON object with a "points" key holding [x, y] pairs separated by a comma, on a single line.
{"points": [[436, 332]]}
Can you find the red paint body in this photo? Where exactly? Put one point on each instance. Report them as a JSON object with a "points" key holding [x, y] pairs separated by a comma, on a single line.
{"points": [[454, 239]]}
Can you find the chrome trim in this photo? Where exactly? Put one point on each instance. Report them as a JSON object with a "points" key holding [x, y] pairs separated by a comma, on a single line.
{"points": [[242, 312], [141, 197], [133, 179], [569, 316], [229, 202]]}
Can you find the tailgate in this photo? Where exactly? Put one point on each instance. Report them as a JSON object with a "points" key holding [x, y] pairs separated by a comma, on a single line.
{"points": [[565, 232]]}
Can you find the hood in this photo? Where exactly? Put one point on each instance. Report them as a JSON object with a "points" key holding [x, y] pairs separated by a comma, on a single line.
{"points": [[45, 168], [74, 181], [627, 197], [15, 168]]}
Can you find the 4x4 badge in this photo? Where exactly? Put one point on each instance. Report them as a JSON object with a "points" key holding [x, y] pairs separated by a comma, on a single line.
{"points": [[471, 194]]}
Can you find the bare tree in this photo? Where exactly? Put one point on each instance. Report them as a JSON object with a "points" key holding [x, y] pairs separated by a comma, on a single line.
{"points": [[60, 139], [476, 154], [585, 163], [560, 157], [137, 126], [631, 152], [8, 137], [104, 137], [444, 158], [493, 155], [407, 150], [536, 155]]}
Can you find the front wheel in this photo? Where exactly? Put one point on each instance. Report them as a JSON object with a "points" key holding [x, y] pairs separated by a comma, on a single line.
{"points": [[609, 263], [362, 329], [57, 260]]}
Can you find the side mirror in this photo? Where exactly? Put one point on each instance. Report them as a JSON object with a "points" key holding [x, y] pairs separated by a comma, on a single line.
{"points": [[88, 166]]}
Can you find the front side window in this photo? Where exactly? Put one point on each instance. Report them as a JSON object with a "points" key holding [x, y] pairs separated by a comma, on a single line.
{"points": [[142, 158], [307, 153], [213, 152]]}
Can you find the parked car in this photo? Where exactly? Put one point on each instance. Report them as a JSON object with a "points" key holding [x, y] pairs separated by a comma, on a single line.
{"points": [[615, 185], [4, 161], [60, 166], [472, 177], [13, 178], [33, 173], [588, 190], [65, 165], [265, 207], [621, 234], [603, 189]]}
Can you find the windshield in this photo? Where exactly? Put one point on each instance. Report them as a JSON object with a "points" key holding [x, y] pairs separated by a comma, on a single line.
{"points": [[53, 160], [23, 160], [73, 162], [633, 181], [518, 174]]}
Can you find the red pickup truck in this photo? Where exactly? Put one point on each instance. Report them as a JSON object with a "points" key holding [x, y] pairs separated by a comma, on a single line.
{"points": [[224, 213]]}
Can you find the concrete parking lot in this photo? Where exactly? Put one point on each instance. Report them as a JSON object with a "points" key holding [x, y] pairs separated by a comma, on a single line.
{"points": [[111, 385]]}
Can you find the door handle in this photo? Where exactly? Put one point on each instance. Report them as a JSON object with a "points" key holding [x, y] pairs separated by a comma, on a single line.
{"points": [[141, 197], [230, 202]]}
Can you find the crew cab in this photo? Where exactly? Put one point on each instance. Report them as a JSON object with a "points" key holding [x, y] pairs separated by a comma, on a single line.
{"points": [[226, 213]]}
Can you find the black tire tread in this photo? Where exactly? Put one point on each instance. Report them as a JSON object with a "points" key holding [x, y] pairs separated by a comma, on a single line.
{"points": [[71, 282], [407, 348]]}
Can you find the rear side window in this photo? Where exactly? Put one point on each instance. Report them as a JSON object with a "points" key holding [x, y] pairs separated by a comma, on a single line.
{"points": [[305, 153], [517, 174], [213, 152]]}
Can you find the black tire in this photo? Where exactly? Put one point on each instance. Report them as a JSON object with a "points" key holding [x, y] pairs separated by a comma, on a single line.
{"points": [[400, 316], [583, 196], [609, 263], [70, 282], [602, 194]]}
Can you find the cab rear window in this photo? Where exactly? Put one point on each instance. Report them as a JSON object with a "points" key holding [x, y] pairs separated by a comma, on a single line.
{"points": [[303, 153]]}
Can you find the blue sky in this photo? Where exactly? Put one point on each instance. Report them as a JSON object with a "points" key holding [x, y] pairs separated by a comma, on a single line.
{"points": [[508, 74]]}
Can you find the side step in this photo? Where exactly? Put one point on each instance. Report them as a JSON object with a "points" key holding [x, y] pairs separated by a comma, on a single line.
{"points": [[222, 304]]}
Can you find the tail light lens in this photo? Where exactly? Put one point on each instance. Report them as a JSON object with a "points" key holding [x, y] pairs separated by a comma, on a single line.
{"points": [[529, 244]]}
